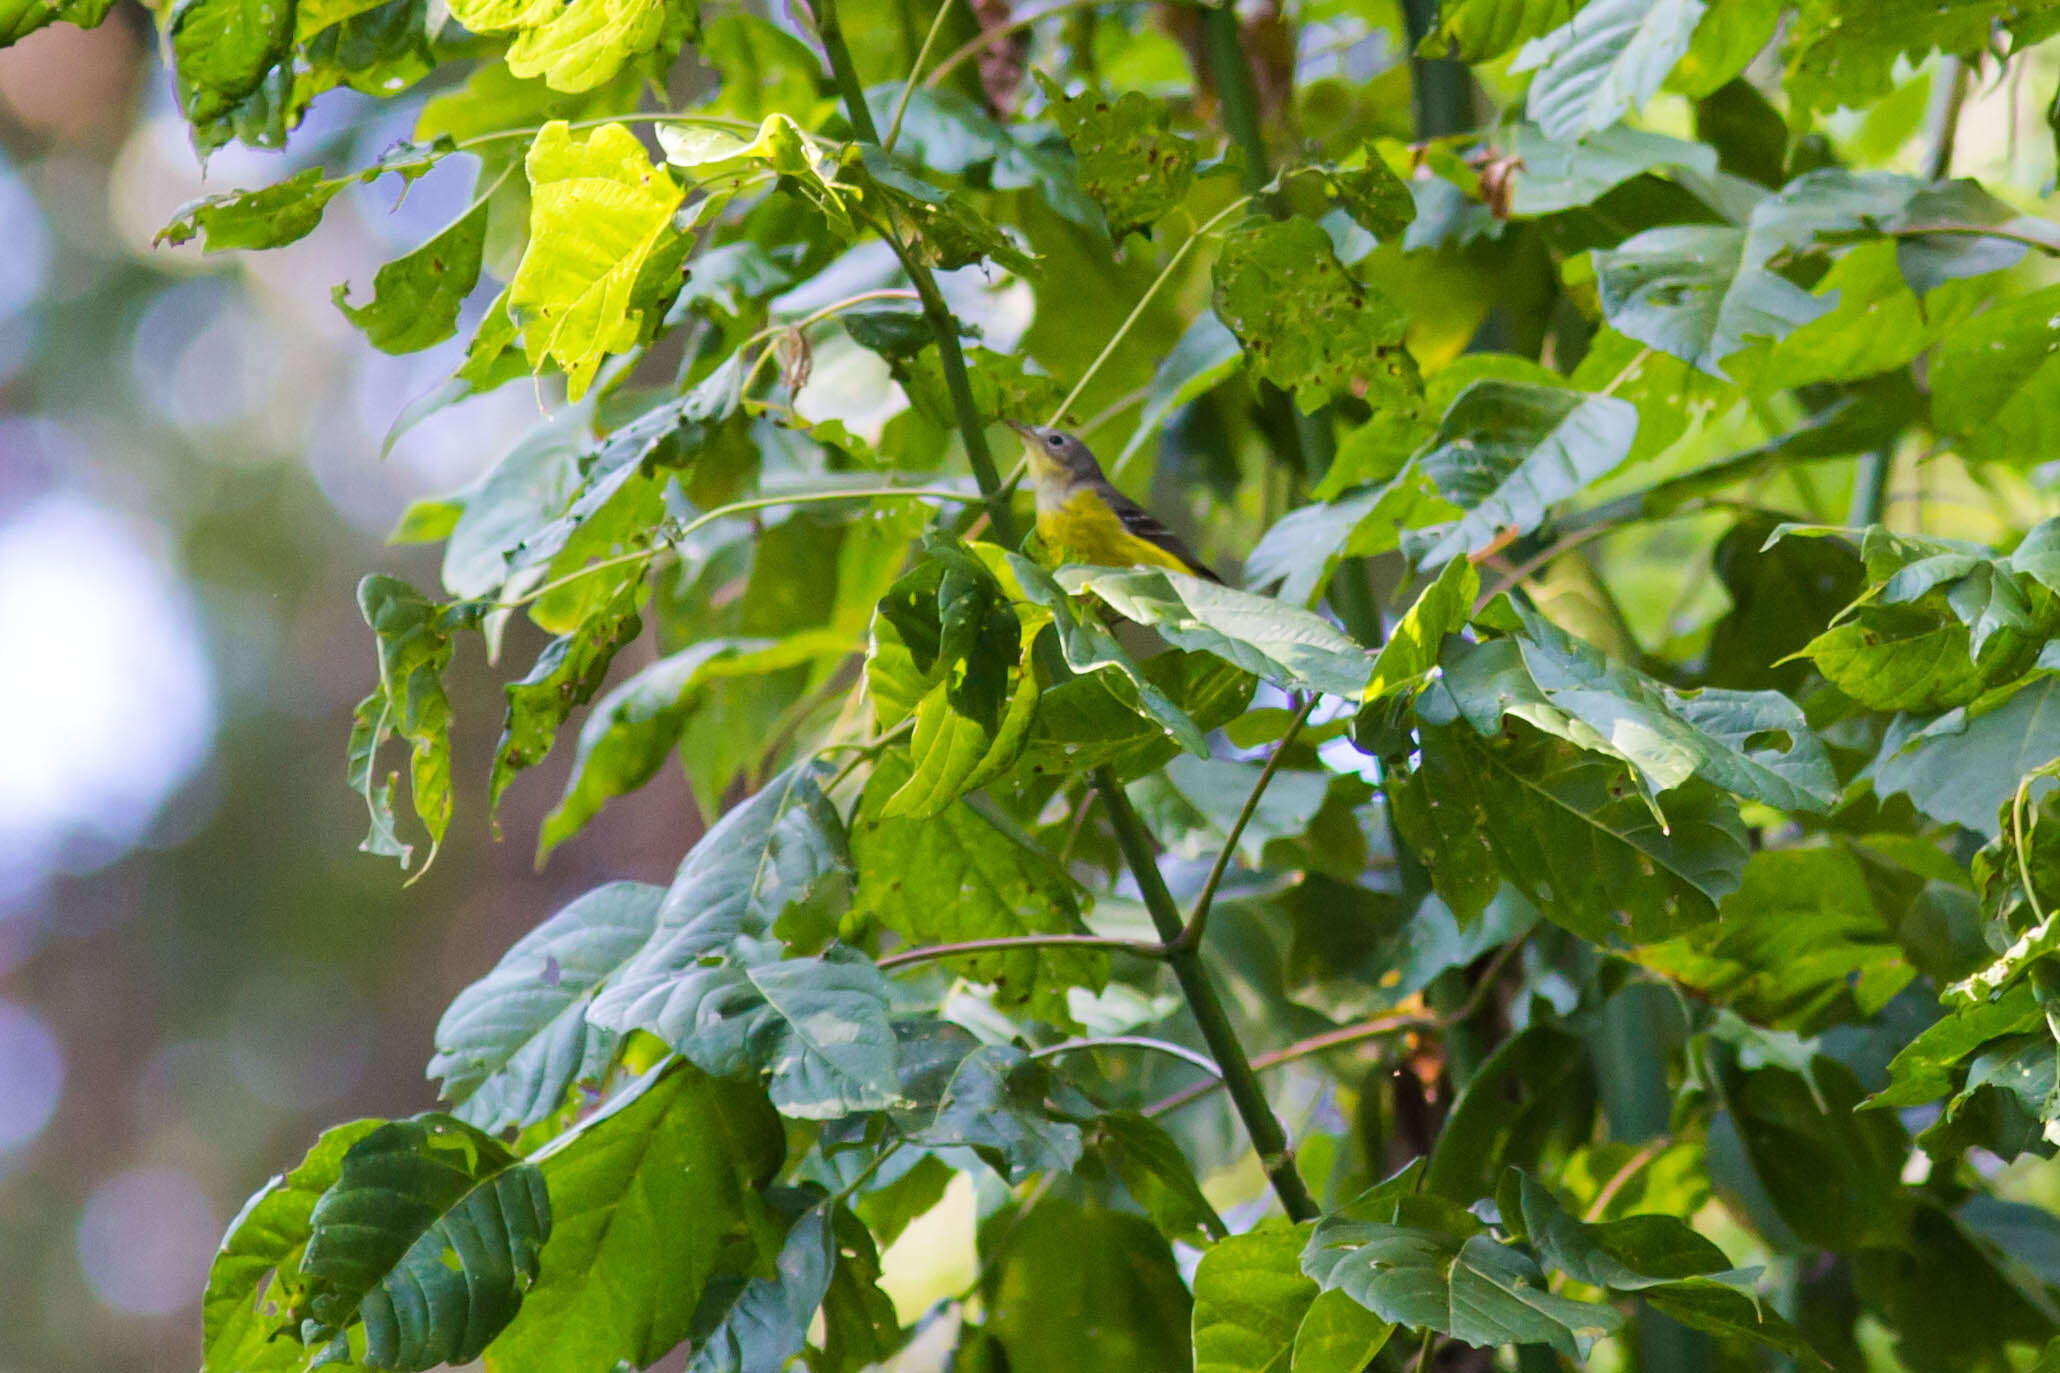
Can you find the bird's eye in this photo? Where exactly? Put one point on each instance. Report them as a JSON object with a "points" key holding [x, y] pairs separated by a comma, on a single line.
{"points": [[1055, 440]]}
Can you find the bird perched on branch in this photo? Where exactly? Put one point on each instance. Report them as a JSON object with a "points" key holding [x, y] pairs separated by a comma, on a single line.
{"points": [[1081, 514]]}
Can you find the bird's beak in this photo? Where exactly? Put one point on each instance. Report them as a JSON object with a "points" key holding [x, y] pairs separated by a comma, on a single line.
{"points": [[1028, 431]]}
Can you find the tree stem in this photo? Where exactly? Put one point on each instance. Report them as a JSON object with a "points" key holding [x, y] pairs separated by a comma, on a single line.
{"points": [[1226, 54], [1239, 1079], [830, 29], [1210, 1017]]}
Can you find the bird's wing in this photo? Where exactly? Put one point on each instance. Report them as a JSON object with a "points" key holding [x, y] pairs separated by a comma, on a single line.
{"points": [[1145, 525]]}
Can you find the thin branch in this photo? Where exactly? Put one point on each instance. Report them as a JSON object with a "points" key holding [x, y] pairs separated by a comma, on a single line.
{"points": [[2048, 246], [1366, 1029], [1191, 937], [973, 47], [654, 117], [1162, 1046], [868, 493], [908, 87], [2031, 894], [930, 952], [1646, 1154]]}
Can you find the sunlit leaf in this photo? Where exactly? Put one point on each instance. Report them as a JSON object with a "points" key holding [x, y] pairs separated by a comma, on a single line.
{"points": [[578, 46], [416, 298], [651, 1200], [598, 210]]}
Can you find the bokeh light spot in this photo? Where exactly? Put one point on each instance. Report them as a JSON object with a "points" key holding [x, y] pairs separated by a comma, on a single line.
{"points": [[31, 1077], [146, 1238], [108, 690]]}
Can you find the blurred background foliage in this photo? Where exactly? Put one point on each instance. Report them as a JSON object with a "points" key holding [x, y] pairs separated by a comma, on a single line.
{"points": [[197, 969]]}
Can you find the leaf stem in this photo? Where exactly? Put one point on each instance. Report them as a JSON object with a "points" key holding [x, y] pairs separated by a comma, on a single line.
{"points": [[651, 117], [870, 493], [1191, 937], [1162, 1046], [2031, 894], [1647, 1152], [908, 87], [1137, 311], [929, 952]]}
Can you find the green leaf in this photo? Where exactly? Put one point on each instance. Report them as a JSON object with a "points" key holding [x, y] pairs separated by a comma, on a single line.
{"points": [[1367, 190], [1305, 546], [1532, 1086], [254, 1285], [1923, 1070], [713, 980], [416, 298], [1291, 648], [1062, 1269], [1088, 647], [762, 1322], [1306, 324], [1659, 1257], [1096, 720], [630, 731], [270, 217], [940, 228], [1844, 53], [226, 55], [598, 210], [1964, 767], [652, 1199], [1206, 356], [565, 676], [1476, 30], [511, 1044], [1250, 1298], [1507, 451], [1566, 828], [1155, 1173], [960, 875], [1605, 62], [1560, 175], [579, 45], [20, 18], [1699, 293], [1127, 159], [430, 1235], [1798, 1132], [993, 1103], [1755, 744], [1192, 803], [1465, 1286], [1996, 384], [1798, 946], [1413, 645], [413, 635]]}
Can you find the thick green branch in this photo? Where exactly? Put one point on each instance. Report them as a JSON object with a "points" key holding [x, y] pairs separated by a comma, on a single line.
{"points": [[1246, 1095]]}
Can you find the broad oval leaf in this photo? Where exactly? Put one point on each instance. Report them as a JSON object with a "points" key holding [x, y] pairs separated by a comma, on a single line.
{"points": [[512, 1043], [430, 1235]]}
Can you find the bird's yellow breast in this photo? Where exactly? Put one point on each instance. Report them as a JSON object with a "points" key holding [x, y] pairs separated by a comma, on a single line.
{"points": [[1082, 528]]}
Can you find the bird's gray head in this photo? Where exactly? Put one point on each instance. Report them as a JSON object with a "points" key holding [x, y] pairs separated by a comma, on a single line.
{"points": [[1054, 452]]}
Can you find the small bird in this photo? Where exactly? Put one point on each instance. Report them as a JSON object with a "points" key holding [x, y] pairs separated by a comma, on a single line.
{"points": [[1081, 514]]}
